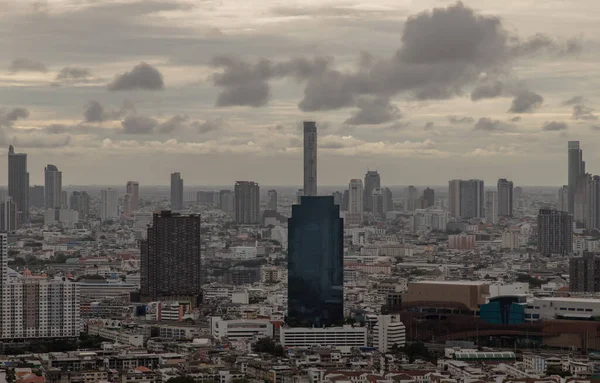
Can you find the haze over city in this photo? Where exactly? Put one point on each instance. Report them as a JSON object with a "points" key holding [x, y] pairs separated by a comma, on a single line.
{"points": [[422, 91]]}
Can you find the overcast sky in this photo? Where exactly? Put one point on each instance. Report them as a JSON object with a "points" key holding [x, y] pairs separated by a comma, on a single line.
{"points": [[422, 90]]}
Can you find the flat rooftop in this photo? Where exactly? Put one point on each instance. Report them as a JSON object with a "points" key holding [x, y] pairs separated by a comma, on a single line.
{"points": [[466, 283]]}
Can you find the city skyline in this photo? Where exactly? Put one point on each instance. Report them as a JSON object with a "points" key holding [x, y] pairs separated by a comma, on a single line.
{"points": [[503, 102]]}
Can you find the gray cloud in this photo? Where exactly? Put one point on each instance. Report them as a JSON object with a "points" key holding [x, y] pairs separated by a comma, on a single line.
{"points": [[134, 124], [582, 112], [138, 125], [73, 73], [27, 65], [490, 125], [574, 100], [373, 111], [488, 90], [461, 119], [31, 141], [554, 126], [172, 124], [211, 125], [428, 126], [142, 77], [8, 117], [525, 102], [94, 112], [516, 119]]}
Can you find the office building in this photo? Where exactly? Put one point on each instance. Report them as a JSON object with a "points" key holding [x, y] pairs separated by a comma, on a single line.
{"points": [[53, 187], [372, 181], [555, 232], [454, 197], [35, 307], [472, 201], [354, 215], [505, 198], [378, 202], [584, 273], [64, 200], [428, 198], [345, 200], [176, 191], [563, 199], [411, 199], [337, 198], [344, 338], [315, 264], [8, 215], [68, 218], [238, 329], [272, 202], [109, 205], [80, 202], [247, 203], [310, 158], [388, 203], [133, 190], [37, 196], [18, 182], [227, 201], [388, 332], [428, 220], [576, 169], [491, 207], [170, 258], [587, 202]]}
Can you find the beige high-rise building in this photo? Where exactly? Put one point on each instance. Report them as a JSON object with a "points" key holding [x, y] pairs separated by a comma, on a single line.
{"points": [[354, 216], [454, 197], [53, 187]]}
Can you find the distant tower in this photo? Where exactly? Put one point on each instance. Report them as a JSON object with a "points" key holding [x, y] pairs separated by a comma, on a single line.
{"points": [[310, 158], [315, 264], [176, 191], [355, 202], [411, 198], [80, 201], [388, 203], [454, 197], [133, 189], [491, 207], [472, 199], [429, 197], [18, 182], [576, 169], [555, 232], [505, 198], [247, 203], [53, 187], [272, 203], [563, 199], [109, 204], [372, 181]]}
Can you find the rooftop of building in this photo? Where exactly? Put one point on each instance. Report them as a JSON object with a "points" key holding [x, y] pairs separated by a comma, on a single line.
{"points": [[456, 283]]}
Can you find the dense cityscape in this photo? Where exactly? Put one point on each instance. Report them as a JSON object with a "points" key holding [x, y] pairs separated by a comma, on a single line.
{"points": [[370, 283]]}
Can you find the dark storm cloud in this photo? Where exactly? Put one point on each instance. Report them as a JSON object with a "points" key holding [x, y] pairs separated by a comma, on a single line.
{"points": [[142, 77], [461, 119], [489, 90], [441, 52], [525, 102], [554, 126], [373, 111], [489, 125], [582, 112], [27, 65], [574, 100], [138, 125], [73, 73], [9, 116]]}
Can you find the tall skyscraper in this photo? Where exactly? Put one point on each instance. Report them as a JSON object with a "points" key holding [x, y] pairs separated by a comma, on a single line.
{"points": [[37, 196], [64, 199], [170, 258], [80, 202], [310, 158], [18, 182], [563, 199], [176, 191], [337, 198], [454, 197], [587, 202], [491, 207], [133, 189], [411, 198], [388, 203], [429, 197], [355, 202], [109, 204], [272, 203], [227, 201], [8, 215], [372, 181], [576, 169], [315, 264], [53, 187], [378, 202], [505, 198], [555, 232], [345, 200], [584, 273], [472, 199], [247, 203]]}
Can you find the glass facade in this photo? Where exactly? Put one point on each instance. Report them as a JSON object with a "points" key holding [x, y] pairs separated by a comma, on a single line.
{"points": [[315, 263]]}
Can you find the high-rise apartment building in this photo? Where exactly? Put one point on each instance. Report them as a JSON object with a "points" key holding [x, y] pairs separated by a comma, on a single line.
{"points": [[109, 204], [428, 198], [37, 196], [18, 182], [372, 181], [491, 207], [337, 198], [454, 197], [378, 202], [272, 202], [315, 264], [310, 158], [176, 191], [133, 190], [53, 187], [388, 203], [345, 200], [170, 258], [555, 232], [354, 215], [8, 215], [505, 198], [584, 273], [587, 202], [227, 201], [389, 332], [576, 169], [472, 199], [247, 203], [411, 199], [563, 199], [80, 202]]}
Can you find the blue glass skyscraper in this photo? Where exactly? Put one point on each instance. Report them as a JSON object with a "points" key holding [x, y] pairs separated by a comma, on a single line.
{"points": [[315, 263]]}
